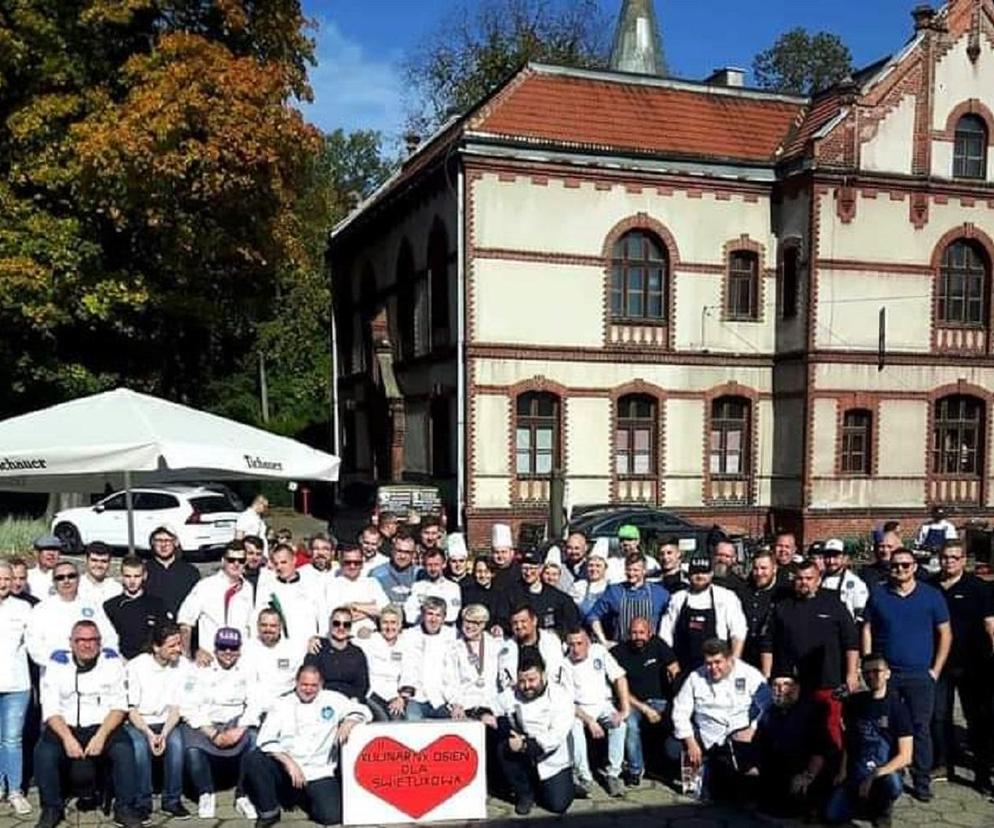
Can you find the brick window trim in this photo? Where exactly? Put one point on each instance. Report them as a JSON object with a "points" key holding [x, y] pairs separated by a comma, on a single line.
{"points": [[744, 244], [658, 395], [963, 388], [966, 232], [858, 402], [731, 389], [642, 221], [538, 384], [971, 106]]}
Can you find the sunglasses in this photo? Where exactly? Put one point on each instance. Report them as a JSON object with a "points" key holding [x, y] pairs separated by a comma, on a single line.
{"points": [[902, 565], [343, 625], [70, 576], [87, 640], [351, 563], [239, 561], [227, 649]]}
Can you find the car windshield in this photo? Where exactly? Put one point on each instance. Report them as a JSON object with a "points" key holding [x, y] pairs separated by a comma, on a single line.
{"points": [[209, 504]]}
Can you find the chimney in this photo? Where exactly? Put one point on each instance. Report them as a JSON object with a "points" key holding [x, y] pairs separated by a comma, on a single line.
{"points": [[727, 76], [411, 142], [924, 17]]}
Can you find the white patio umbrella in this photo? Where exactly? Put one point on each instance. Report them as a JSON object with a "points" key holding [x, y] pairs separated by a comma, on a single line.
{"points": [[122, 438]]}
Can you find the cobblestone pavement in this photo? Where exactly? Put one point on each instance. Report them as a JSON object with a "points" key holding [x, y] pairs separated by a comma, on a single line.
{"points": [[652, 805]]}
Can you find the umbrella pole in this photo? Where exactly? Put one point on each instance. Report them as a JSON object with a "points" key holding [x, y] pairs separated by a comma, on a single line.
{"points": [[131, 513]]}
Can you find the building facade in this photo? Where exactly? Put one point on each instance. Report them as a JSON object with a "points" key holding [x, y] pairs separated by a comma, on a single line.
{"points": [[753, 309]]}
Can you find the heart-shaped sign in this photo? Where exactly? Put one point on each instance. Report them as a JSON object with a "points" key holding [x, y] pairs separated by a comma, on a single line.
{"points": [[416, 781]]}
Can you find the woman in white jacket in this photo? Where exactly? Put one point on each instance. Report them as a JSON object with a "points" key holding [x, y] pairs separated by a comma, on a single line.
{"points": [[470, 668]]}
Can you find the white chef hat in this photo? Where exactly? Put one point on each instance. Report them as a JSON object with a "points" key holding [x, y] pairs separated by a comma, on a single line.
{"points": [[554, 556], [602, 549], [455, 546], [500, 536]]}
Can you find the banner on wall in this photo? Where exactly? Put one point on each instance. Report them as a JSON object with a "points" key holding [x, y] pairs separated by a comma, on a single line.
{"points": [[414, 771]]}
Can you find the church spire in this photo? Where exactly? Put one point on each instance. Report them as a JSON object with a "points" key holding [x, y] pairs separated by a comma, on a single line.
{"points": [[637, 45]]}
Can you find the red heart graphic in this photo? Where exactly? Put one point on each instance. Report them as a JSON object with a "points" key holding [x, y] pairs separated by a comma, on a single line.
{"points": [[416, 781]]}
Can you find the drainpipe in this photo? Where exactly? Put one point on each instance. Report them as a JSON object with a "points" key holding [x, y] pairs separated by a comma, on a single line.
{"points": [[461, 400]]}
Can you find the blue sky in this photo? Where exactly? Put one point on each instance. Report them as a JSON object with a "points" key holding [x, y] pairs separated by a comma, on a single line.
{"points": [[361, 43]]}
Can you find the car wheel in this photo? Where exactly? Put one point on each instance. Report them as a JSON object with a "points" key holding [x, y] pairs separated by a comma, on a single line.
{"points": [[69, 535]]}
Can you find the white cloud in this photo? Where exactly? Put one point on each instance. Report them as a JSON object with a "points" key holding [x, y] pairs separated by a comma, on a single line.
{"points": [[353, 90]]}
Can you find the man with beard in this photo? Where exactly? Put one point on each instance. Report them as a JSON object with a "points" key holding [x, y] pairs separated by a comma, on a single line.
{"points": [[574, 561], [620, 603], [555, 610], [321, 565], [813, 631], [397, 577], [725, 557], [841, 580], [255, 561], [701, 612], [272, 660], [298, 746], [796, 756], [650, 667], [369, 544], [533, 749], [760, 595], [432, 582], [83, 707], [525, 634], [429, 536], [170, 579], [134, 613], [506, 571]]}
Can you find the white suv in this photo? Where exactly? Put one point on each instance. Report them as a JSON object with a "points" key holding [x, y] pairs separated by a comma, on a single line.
{"points": [[203, 517]]}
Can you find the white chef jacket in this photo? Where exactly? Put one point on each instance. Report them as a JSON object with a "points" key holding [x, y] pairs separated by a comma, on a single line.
{"points": [[40, 583], [273, 669], [299, 600], [421, 664], [82, 699], [15, 616], [443, 588], [213, 695], [340, 591], [153, 688], [851, 589], [308, 732], [203, 608], [52, 621], [251, 523], [99, 593], [548, 719], [463, 683], [383, 663], [369, 564], [730, 621], [717, 709], [551, 650], [593, 678]]}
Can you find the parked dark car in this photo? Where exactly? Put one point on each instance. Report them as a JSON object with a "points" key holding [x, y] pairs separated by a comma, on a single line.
{"points": [[603, 521]]}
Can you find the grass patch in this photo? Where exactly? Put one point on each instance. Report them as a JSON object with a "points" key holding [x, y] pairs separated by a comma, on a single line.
{"points": [[17, 535]]}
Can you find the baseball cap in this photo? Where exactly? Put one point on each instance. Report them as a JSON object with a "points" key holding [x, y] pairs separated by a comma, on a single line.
{"points": [[629, 532], [48, 541], [227, 638], [700, 564], [531, 557], [168, 528], [834, 545]]}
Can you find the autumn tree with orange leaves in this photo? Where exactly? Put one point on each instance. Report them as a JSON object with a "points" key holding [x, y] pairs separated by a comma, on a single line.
{"points": [[163, 205]]}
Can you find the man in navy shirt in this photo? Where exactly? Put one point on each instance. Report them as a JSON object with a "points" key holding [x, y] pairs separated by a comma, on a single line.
{"points": [[908, 623], [622, 603]]}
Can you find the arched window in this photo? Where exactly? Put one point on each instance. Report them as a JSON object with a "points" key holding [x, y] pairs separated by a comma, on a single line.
{"points": [[742, 293], [729, 443], [963, 279], [406, 301], [857, 434], [970, 148], [957, 436], [635, 436], [438, 281], [536, 434], [639, 271]]}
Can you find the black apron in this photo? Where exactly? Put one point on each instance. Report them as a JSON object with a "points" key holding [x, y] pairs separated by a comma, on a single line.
{"points": [[693, 628]]}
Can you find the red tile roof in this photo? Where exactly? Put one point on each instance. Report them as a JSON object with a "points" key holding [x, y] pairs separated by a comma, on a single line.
{"points": [[584, 111], [821, 111]]}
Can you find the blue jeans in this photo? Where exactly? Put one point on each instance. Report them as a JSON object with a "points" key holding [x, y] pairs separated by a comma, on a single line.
{"points": [[172, 781], [845, 802], [51, 760], [13, 709], [633, 737], [416, 711], [918, 692], [615, 735], [198, 763]]}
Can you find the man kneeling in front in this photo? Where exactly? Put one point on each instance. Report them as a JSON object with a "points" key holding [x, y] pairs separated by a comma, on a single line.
{"points": [[297, 753], [533, 744]]}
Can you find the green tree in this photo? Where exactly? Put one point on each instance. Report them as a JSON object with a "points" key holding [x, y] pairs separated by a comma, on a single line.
{"points": [[801, 63], [472, 52]]}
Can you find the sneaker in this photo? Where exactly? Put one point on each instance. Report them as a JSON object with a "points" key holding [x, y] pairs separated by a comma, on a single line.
{"points": [[922, 794], [614, 786], [245, 807], [206, 806], [523, 807], [581, 789], [176, 810], [633, 780], [19, 803], [50, 817], [126, 818], [939, 774], [267, 821]]}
